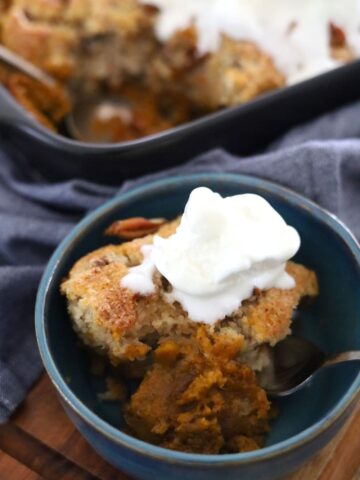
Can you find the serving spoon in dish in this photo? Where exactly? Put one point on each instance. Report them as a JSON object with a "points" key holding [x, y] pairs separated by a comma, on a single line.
{"points": [[78, 122], [295, 361]]}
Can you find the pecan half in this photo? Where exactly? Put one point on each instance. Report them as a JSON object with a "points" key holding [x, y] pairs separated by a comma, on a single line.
{"points": [[337, 36], [135, 227]]}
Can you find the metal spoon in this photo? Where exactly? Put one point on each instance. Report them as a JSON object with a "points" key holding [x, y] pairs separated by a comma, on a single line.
{"points": [[79, 122], [295, 361]]}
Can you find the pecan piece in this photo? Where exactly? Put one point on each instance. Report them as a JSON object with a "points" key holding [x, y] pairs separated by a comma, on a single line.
{"points": [[337, 36], [135, 227]]}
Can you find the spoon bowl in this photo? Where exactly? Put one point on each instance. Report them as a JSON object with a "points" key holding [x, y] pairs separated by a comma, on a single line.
{"points": [[87, 117], [294, 363]]}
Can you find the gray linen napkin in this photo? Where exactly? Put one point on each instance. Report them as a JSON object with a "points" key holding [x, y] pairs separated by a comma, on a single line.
{"points": [[320, 160]]}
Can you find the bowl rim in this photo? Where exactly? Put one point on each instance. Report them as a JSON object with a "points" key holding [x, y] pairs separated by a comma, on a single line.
{"points": [[146, 449]]}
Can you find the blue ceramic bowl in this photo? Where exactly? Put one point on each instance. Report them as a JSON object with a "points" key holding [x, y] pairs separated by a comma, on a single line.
{"points": [[307, 420]]}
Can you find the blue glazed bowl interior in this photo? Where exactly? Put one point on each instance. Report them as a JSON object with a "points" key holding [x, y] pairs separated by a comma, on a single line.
{"points": [[332, 322]]}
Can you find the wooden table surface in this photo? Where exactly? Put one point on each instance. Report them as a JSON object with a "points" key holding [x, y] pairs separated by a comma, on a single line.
{"points": [[41, 443]]}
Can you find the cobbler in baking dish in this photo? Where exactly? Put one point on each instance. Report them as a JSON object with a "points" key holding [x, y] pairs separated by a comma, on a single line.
{"points": [[172, 60]]}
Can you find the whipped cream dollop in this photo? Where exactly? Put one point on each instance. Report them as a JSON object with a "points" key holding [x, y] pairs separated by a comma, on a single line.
{"points": [[294, 32], [222, 250]]}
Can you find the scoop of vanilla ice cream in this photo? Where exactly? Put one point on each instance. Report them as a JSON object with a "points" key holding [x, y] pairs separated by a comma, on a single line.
{"points": [[222, 250]]}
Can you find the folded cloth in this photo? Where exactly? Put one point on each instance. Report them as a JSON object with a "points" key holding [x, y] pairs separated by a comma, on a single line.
{"points": [[320, 160]]}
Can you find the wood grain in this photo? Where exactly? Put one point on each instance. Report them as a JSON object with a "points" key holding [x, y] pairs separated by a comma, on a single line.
{"points": [[42, 415], [12, 469], [39, 457], [344, 462], [40, 443], [337, 451]]}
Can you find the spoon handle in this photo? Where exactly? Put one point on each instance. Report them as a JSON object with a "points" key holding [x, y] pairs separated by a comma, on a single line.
{"points": [[15, 61], [342, 357]]}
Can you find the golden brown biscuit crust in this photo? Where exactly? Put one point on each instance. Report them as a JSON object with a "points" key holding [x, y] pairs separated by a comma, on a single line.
{"points": [[121, 322]]}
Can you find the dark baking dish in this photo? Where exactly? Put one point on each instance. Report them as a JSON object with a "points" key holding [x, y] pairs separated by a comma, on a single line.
{"points": [[245, 129]]}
